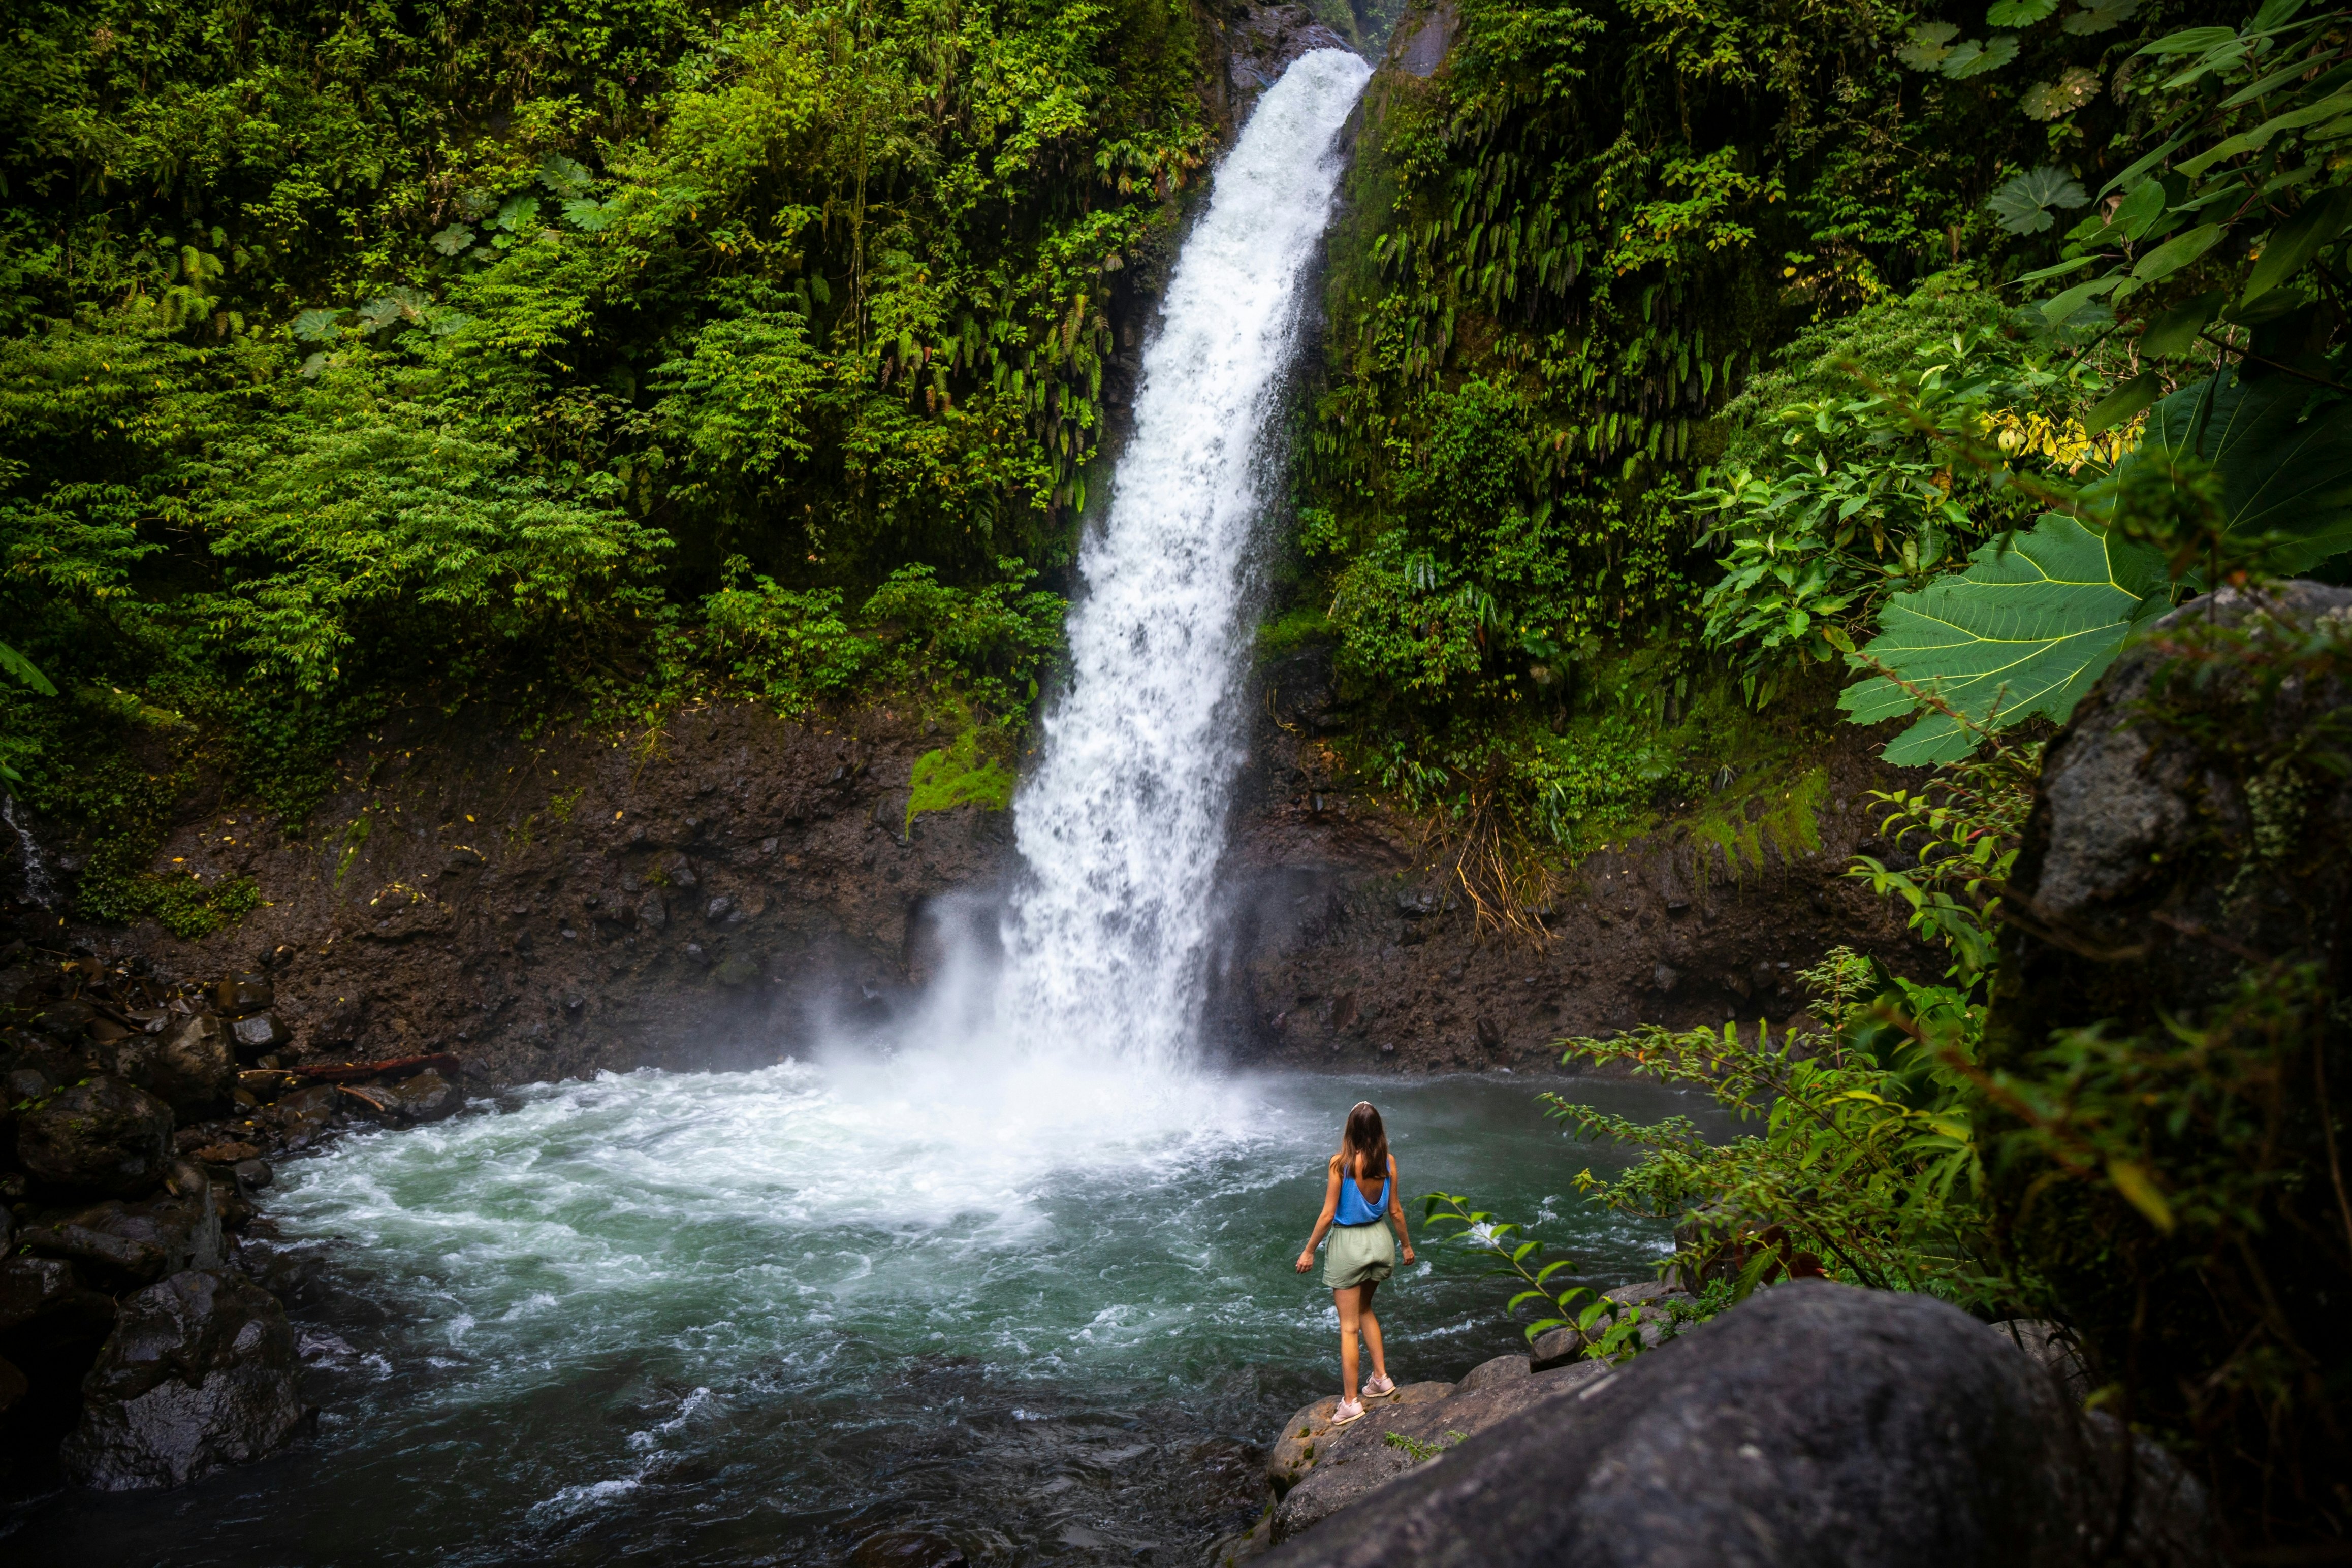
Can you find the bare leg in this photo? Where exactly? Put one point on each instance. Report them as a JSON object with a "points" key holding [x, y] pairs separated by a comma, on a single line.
{"points": [[1346, 1301], [1370, 1326]]}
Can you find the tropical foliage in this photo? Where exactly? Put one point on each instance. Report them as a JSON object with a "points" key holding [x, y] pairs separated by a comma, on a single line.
{"points": [[577, 362]]}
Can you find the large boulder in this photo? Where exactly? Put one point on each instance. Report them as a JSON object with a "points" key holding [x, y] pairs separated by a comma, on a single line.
{"points": [[1391, 1439], [2183, 878], [100, 1135], [138, 1243], [188, 1066], [200, 1374], [1812, 1423]]}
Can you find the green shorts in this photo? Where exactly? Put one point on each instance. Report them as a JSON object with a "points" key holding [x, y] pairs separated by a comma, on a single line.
{"points": [[1359, 1254]]}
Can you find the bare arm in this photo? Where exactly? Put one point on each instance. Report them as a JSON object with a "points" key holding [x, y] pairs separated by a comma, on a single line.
{"points": [[1322, 1220], [1396, 1210]]}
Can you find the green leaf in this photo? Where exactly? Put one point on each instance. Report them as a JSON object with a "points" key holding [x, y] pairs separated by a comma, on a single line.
{"points": [[2174, 331], [1973, 59], [2022, 203], [453, 239], [24, 669], [2058, 270], [2074, 299], [1928, 44], [2104, 16], [2129, 176], [2286, 475], [2191, 41], [2177, 253], [562, 177], [2302, 236], [2126, 401], [316, 326], [2138, 1189], [2017, 13], [2073, 89], [2025, 630]]}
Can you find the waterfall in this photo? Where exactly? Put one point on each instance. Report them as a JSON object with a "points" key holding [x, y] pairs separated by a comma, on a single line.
{"points": [[38, 888], [1123, 820]]}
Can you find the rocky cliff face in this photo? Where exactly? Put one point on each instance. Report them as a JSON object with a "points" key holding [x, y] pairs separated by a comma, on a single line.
{"points": [[733, 887], [714, 892], [1347, 947]]}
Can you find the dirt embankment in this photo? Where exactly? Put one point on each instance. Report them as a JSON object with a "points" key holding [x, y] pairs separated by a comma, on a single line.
{"points": [[732, 888], [1345, 948], [711, 895]]}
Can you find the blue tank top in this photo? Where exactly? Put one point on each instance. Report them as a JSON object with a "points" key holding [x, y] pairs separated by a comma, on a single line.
{"points": [[1353, 1209]]}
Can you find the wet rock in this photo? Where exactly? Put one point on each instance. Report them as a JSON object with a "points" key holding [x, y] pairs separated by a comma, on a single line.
{"points": [[199, 1374], [226, 1154], [103, 1135], [260, 1034], [1310, 1432], [1814, 1423], [652, 911], [253, 1175], [1502, 1369], [33, 1288], [242, 994], [718, 909], [125, 1243], [301, 1117], [1559, 1346], [424, 1096], [187, 1067], [1362, 1456]]}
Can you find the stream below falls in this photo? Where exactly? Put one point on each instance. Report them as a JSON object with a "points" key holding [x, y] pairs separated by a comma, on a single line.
{"points": [[761, 1317]]}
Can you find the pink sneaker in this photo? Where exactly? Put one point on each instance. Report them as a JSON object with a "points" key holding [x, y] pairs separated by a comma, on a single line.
{"points": [[1379, 1388], [1349, 1410]]}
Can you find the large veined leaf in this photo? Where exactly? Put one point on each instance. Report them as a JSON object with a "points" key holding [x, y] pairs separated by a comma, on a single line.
{"points": [[2022, 203], [2024, 630], [2285, 464]]}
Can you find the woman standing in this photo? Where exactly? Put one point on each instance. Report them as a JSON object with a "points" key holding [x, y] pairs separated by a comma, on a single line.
{"points": [[1359, 1194]]}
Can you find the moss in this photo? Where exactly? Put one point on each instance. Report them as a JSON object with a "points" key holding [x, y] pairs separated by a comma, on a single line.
{"points": [[1789, 822], [961, 774], [1296, 628]]}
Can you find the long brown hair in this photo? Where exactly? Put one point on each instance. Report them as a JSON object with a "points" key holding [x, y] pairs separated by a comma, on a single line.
{"points": [[1364, 1135]]}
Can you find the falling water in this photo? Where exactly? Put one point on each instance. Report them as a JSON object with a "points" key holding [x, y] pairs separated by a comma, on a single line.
{"points": [[38, 888], [1122, 822]]}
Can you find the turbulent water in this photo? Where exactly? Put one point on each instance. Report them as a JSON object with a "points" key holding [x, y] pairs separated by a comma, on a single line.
{"points": [[1022, 1280], [761, 1317], [1122, 822]]}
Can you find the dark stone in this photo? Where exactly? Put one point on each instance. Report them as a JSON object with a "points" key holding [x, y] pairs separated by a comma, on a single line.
{"points": [[652, 911], [1812, 1423], [1502, 1369], [718, 909], [260, 1034], [104, 1135], [242, 994], [302, 1116], [425, 1097], [139, 1243], [1359, 1458], [1563, 1345], [2191, 833], [13, 1385], [32, 1287], [200, 1374], [188, 1066], [252, 1175]]}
